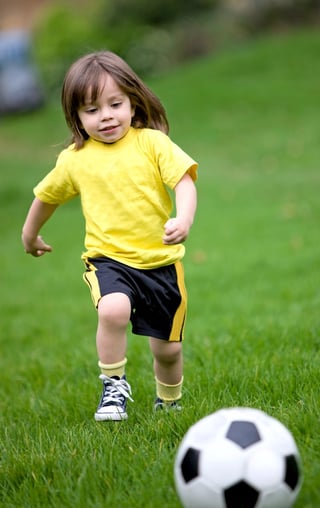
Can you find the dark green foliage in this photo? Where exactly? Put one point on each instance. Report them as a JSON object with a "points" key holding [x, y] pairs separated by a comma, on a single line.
{"points": [[163, 12], [150, 35]]}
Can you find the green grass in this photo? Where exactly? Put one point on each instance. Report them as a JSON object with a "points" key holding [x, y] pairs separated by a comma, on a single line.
{"points": [[251, 118]]}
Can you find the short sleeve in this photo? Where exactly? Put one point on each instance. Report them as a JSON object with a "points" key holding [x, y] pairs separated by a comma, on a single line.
{"points": [[172, 161], [57, 187]]}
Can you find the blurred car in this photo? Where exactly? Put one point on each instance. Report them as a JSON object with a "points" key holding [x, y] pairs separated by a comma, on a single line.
{"points": [[20, 85]]}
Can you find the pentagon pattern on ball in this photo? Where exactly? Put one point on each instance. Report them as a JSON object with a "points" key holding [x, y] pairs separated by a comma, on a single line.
{"points": [[292, 472], [243, 433], [189, 464], [241, 495]]}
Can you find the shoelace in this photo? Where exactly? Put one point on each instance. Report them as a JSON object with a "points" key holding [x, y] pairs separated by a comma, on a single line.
{"points": [[115, 388]]}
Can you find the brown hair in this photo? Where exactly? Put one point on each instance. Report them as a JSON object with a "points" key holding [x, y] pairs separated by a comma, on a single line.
{"points": [[85, 74]]}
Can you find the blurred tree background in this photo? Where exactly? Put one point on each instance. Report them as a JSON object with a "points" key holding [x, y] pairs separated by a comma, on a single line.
{"points": [[154, 36]]}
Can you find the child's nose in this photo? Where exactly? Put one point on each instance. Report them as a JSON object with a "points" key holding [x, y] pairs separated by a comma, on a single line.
{"points": [[106, 113]]}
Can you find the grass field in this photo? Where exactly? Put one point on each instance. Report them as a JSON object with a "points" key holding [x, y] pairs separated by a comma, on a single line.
{"points": [[250, 116]]}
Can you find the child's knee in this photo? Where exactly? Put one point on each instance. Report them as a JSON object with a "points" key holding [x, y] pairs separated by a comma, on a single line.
{"points": [[114, 309], [168, 352]]}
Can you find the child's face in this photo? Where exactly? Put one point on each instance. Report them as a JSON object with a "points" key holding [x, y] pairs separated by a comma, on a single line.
{"points": [[108, 119]]}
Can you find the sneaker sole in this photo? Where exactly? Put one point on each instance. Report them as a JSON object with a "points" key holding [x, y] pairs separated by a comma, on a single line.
{"points": [[116, 417]]}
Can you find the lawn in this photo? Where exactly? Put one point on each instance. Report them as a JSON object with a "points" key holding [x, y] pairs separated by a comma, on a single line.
{"points": [[250, 116]]}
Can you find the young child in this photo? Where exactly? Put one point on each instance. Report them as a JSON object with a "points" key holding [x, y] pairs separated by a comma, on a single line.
{"points": [[121, 163]]}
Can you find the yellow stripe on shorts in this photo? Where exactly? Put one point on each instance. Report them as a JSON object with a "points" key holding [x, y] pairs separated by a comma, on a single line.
{"points": [[177, 330], [91, 280]]}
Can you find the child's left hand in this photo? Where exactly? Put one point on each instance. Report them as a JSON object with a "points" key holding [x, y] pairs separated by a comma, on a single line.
{"points": [[175, 231]]}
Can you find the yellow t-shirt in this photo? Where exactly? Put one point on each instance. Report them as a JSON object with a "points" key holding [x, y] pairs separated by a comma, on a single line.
{"points": [[124, 194]]}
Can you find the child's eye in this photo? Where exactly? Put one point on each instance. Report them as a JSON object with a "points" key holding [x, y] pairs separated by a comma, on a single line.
{"points": [[88, 108], [116, 104]]}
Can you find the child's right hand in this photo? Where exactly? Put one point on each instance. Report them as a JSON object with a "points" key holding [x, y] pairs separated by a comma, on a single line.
{"points": [[36, 247]]}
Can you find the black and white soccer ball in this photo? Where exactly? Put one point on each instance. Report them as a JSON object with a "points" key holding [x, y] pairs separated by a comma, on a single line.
{"points": [[238, 458]]}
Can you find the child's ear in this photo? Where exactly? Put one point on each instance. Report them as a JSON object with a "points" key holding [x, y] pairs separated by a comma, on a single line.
{"points": [[133, 111]]}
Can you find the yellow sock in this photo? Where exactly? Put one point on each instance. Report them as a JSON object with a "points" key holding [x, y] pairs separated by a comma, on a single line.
{"points": [[169, 393], [113, 369]]}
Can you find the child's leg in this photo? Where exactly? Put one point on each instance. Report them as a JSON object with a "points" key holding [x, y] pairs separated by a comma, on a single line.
{"points": [[113, 317], [168, 368]]}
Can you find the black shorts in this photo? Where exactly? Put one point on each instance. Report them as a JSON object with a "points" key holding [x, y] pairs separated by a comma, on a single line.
{"points": [[158, 296]]}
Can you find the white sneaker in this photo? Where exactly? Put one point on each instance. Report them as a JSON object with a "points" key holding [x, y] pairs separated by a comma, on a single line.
{"points": [[113, 402]]}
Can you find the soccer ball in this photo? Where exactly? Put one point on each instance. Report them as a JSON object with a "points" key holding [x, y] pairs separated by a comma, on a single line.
{"points": [[237, 458]]}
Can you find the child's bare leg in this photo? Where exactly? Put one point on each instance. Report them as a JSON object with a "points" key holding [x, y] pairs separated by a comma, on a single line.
{"points": [[168, 368], [168, 360], [113, 317]]}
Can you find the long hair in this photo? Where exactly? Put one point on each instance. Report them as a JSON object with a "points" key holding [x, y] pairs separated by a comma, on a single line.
{"points": [[85, 75]]}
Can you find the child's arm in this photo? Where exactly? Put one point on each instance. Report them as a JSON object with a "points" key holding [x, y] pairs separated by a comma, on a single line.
{"points": [[38, 214], [177, 229]]}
